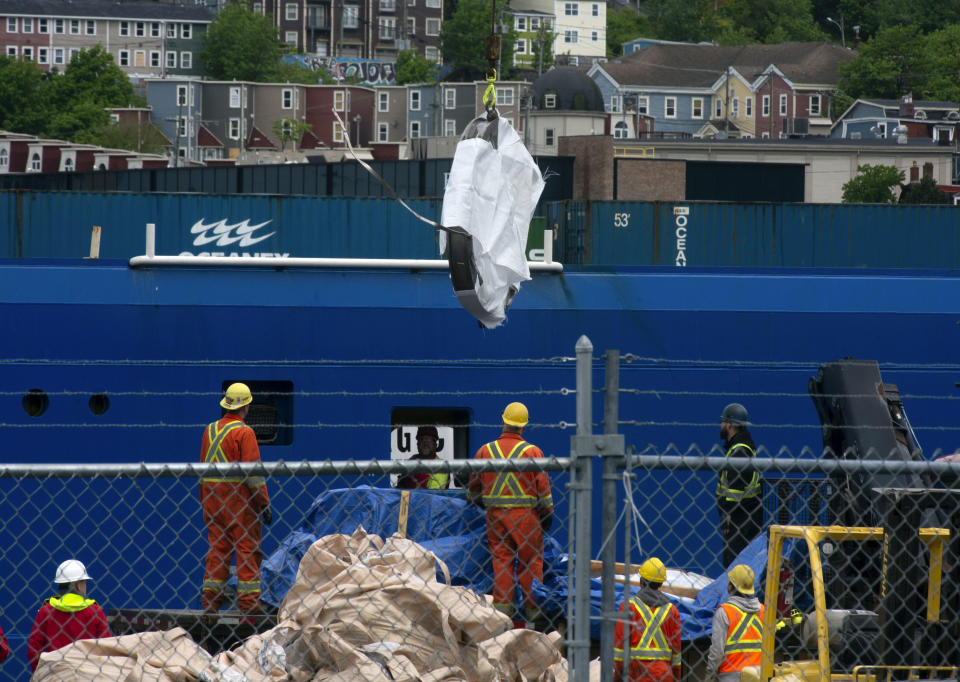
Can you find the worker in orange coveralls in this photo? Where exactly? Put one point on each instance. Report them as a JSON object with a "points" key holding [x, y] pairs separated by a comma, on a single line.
{"points": [[232, 507], [519, 511], [654, 652]]}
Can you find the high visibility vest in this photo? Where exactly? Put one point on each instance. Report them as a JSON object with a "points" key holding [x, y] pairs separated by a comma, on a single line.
{"points": [[506, 490], [653, 645], [70, 602], [439, 481], [742, 647], [215, 453], [733, 494]]}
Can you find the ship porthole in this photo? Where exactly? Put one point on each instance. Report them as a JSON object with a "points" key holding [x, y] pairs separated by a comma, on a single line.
{"points": [[35, 402], [99, 403]]}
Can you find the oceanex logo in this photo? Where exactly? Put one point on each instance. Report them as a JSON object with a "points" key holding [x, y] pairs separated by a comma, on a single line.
{"points": [[239, 235], [681, 215]]}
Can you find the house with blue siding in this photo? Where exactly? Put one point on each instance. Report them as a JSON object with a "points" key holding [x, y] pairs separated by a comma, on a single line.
{"points": [[879, 118]]}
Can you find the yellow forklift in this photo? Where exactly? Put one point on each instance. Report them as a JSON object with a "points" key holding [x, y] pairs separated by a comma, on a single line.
{"points": [[816, 628]]}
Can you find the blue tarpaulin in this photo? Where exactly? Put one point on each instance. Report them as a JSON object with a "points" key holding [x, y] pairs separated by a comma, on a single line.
{"points": [[455, 531]]}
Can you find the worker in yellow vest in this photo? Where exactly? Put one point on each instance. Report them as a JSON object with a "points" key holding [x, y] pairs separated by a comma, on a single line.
{"points": [[737, 628]]}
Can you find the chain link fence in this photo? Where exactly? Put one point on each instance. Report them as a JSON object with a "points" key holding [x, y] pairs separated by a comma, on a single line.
{"points": [[853, 546]]}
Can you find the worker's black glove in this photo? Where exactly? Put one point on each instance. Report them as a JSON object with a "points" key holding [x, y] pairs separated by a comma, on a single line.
{"points": [[546, 520], [267, 515]]}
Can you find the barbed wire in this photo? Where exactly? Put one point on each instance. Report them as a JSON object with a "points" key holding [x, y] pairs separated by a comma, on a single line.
{"points": [[774, 394], [798, 364], [772, 425], [302, 394], [306, 425], [305, 362]]}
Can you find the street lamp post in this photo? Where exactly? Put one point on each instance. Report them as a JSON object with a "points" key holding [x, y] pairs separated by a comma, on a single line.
{"points": [[843, 38]]}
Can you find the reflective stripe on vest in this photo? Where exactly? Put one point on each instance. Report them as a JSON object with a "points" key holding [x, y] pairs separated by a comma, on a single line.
{"points": [[507, 481], [653, 644], [742, 648], [215, 454], [733, 494], [70, 602]]}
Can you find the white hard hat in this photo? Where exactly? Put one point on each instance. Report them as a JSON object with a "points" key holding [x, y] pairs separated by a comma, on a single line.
{"points": [[71, 571]]}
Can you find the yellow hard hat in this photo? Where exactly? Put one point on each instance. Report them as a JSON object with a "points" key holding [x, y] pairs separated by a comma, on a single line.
{"points": [[237, 396], [741, 577], [653, 571], [516, 414]]}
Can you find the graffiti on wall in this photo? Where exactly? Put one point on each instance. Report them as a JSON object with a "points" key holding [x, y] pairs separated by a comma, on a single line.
{"points": [[369, 71]]}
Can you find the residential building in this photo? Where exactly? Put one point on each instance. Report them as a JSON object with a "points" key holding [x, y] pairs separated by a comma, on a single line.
{"points": [[562, 102], [508, 94], [29, 154], [580, 28], [145, 39], [533, 29], [390, 116], [177, 111], [727, 91], [424, 110], [355, 107], [347, 28], [881, 118], [459, 107]]}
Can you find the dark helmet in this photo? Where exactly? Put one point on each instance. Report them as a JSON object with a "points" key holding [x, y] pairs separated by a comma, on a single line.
{"points": [[428, 431], [735, 413]]}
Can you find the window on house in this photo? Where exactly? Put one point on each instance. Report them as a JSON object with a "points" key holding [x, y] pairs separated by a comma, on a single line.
{"points": [[521, 23], [27, 54], [35, 162], [550, 101], [748, 107], [171, 30], [92, 28], [290, 38], [154, 30], [814, 105], [383, 132], [58, 27], [139, 58], [765, 106], [123, 58], [139, 29], [290, 11], [449, 98], [4, 158], [350, 16], [735, 107], [615, 103], [124, 27], [388, 6], [12, 24], [431, 53], [783, 105], [186, 60], [388, 28], [181, 95], [521, 46], [548, 137], [234, 131], [182, 126], [383, 101], [571, 9], [115, 118], [186, 31], [505, 96], [411, 25], [68, 165], [414, 129], [594, 36], [75, 27], [534, 23], [286, 98], [27, 24], [571, 36], [765, 135], [258, 8], [718, 108], [670, 107], [43, 55], [449, 127], [58, 57], [595, 9], [321, 48], [414, 100], [74, 51], [697, 107], [433, 27], [339, 100], [43, 26], [643, 105], [620, 131], [235, 98], [171, 60], [11, 50], [155, 59], [337, 132], [434, 4]]}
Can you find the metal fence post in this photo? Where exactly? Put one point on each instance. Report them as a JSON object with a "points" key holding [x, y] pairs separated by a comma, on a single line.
{"points": [[581, 483], [609, 515]]}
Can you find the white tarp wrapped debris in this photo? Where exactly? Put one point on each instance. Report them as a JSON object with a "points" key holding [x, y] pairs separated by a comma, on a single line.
{"points": [[491, 193], [361, 610]]}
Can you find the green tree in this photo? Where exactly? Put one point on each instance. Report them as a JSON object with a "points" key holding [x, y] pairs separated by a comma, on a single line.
{"points": [[288, 72], [623, 25], [462, 39], [413, 67], [290, 130], [924, 192], [872, 185], [942, 59], [682, 20], [773, 21], [892, 62], [241, 45], [139, 138], [542, 49], [24, 107]]}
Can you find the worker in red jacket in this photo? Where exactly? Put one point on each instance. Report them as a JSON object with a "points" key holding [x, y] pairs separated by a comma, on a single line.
{"points": [[67, 617], [233, 506], [653, 653], [427, 441], [4, 647], [519, 511]]}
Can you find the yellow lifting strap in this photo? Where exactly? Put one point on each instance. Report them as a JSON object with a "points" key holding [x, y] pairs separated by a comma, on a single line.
{"points": [[490, 94]]}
